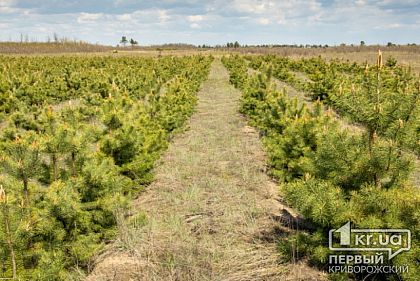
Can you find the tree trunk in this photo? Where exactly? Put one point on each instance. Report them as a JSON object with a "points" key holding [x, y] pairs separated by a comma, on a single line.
{"points": [[54, 165], [372, 138], [372, 133], [25, 192], [9, 240], [73, 164]]}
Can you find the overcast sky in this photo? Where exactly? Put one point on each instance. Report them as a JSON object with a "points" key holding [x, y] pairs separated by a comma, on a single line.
{"points": [[214, 21]]}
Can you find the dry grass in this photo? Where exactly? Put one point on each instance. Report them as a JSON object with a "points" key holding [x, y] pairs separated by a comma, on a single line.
{"points": [[211, 211], [83, 48], [44, 48]]}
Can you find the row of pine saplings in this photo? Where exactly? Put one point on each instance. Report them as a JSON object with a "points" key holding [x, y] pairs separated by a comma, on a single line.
{"points": [[68, 169], [332, 173]]}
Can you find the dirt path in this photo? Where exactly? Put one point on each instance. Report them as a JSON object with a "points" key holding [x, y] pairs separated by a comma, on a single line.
{"points": [[211, 212]]}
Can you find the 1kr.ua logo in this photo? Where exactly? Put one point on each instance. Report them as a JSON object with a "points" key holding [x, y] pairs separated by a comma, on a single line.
{"points": [[393, 241]]}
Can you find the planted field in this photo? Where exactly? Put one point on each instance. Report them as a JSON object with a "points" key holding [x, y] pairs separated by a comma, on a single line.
{"points": [[200, 168]]}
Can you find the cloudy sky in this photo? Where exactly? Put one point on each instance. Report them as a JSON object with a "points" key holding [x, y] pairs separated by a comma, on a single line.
{"points": [[214, 21]]}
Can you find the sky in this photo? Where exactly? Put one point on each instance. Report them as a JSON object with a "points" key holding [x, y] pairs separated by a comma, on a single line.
{"points": [[214, 21]]}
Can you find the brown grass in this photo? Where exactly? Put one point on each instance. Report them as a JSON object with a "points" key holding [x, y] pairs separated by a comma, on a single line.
{"points": [[50, 48]]}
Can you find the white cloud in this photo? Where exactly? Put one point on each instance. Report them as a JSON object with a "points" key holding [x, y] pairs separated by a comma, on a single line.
{"points": [[391, 26], [196, 21], [252, 6], [398, 2], [6, 10], [195, 18], [292, 13], [44, 30], [394, 25], [143, 16], [163, 16], [264, 21], [89, 18], [6, 7], [214, 21], [195, 25], [6, 3], [124, 17]]}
